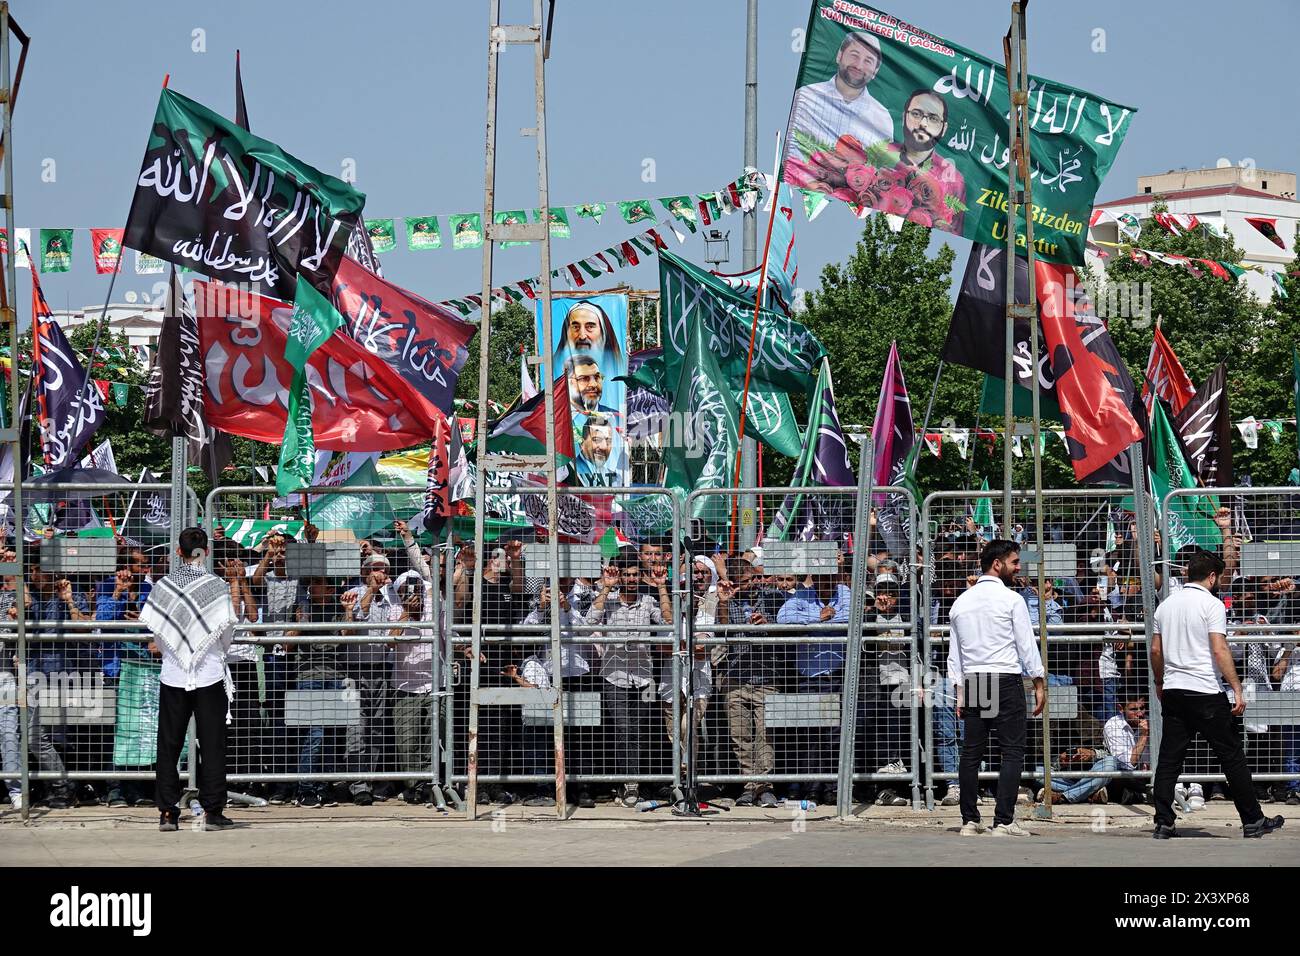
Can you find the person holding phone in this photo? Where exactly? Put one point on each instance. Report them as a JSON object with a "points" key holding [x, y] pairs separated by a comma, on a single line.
{"points": [[1191, 662]]}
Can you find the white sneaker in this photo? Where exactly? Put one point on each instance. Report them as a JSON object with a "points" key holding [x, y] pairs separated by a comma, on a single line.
{"points": [[951, 798], [973, 828], [1010, 829], [1025, 795], [1195, 790], [16, 800], [894, 766], [1196, 802]]}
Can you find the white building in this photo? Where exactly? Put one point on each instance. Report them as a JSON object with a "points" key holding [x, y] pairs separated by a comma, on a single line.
{"points": [[1224, 197], [140, 323]]}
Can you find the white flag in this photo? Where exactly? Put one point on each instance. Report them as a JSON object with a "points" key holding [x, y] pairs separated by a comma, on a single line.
{"points": [[1249, 429]]}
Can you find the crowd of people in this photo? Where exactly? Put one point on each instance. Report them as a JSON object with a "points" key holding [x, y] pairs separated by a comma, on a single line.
{"points": [[760, 637]]}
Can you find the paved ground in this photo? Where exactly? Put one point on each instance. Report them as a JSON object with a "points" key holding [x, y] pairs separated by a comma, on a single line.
{"points": [[394, 834]]}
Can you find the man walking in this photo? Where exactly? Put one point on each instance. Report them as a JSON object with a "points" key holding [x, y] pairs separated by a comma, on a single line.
{"points": [[192, 619], [1190, 662], [991, 645]]}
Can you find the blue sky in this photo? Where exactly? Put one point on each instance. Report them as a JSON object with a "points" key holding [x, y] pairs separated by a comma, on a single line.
{"points": [[398, 87]]}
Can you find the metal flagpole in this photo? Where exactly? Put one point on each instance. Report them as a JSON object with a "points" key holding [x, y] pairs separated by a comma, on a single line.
{"points": [[748, 476]]}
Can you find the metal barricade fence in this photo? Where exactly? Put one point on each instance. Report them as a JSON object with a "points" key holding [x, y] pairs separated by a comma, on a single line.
{"points": [[77, 713], [338, 659], [619, 578], [1096, 660], [777, 701], [1257, 533]]}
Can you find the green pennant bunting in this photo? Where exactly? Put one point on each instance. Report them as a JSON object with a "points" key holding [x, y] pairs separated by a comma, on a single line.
{"points": [[121, 392], [382, 234], [590, 210], [422, 233], [813, 203], [681, 209], [56, 250], [466, 230], [511, 217], [558, 219], [636, 210]]}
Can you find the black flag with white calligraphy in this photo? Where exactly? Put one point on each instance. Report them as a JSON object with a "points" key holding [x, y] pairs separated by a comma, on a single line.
{"points": [[217, 199], [1206, 431]]}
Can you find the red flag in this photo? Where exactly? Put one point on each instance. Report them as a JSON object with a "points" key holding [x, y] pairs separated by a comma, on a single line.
{"points": [[1165, 376], [106, 247], [359, 403], [1098, 423], [630, 254], [1268, 229], [1217, 270]]}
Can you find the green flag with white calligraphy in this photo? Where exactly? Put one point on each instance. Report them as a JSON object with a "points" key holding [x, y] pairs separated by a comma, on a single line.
{"points": [[1191, 517], [314, 320]]}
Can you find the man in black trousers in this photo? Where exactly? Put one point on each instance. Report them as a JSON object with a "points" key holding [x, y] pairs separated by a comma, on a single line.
{"points": [[192, 619], [1190, 661], [991, 646]]}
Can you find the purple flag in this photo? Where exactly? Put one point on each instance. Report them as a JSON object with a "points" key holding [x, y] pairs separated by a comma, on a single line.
{"points": [[892, 438]]}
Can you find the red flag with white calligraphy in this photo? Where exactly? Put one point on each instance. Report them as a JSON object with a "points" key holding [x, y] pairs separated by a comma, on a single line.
{"points": [[359, 403]]}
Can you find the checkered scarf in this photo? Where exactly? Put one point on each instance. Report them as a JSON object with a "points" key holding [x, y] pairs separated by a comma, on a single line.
{"points": [[189, 610]]}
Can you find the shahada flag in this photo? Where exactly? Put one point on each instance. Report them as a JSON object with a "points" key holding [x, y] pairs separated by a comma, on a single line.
{"points": [[1165, 377], [893, 118], [703, 455], [314, 320], [173, 394], [786, 353], [522, 429], [214, 198], [106, 247], [1206, 430], [424, 343], [71, 409], [359, 402], [1191, 517]]}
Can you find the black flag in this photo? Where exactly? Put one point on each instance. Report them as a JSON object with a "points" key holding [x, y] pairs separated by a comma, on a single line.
{"points": [[173, 404], [1206, 431], [241, 109]]}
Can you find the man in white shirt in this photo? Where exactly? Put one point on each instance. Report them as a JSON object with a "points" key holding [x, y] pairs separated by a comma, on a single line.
{"points": [[191, 617], [992, 645], [1190, 661], [841, 105]]}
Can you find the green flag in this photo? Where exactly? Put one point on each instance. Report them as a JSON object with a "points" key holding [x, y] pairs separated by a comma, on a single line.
{"points": [[511, 217], [558, 218], [786, 354], [637, 210], [251, 532], [993, 401], [704, 454], [314, 320], [984, 508], [1191, 518], [466, 230], [383, 234], [362, 514], [422, 233], [590, 210], [56, 250], [682, 210]]}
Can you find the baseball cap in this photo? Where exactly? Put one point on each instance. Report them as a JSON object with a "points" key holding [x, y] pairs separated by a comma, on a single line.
{"points": [[375, 558], [885, 579]]}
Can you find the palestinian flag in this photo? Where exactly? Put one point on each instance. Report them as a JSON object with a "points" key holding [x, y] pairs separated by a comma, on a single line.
{"points": [[1268, 229], [522, 429]]}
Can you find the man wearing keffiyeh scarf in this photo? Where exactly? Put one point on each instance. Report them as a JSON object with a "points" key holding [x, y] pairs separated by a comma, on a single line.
{"points": [[190, 615]]}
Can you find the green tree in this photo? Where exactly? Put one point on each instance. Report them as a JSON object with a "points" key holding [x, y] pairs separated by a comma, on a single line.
{"points": [[512, 329]]}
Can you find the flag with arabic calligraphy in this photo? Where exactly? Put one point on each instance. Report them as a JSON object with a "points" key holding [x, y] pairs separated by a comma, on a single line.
{"points": [[214, 198], [892, 118]]}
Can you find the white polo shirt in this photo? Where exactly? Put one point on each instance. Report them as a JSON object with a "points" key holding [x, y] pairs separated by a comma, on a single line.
{"points": [[1184, 621]]}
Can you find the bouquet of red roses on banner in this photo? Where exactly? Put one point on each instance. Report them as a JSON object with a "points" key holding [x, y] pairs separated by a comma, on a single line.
{"points": [[875, 177]]}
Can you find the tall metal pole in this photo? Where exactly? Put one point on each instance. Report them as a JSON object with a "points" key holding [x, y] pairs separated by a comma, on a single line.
{"points": [[1019, 64], [853, 648], [484, 356], [749, 259], [13, 434], [549, 397]]}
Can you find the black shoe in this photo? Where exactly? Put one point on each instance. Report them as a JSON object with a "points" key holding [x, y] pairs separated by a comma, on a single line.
{"points": [[1293, 798], [311, 801], [87, 797], [59, 801], [831, 795], [280, 796], [217, 821], [1263, 793], [1262, 826], [746, 799], [505, 798], [169, 821], [585, 802], [117, 801], [1162, 832], [815, 794], [794, 792], [363, 799]]}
